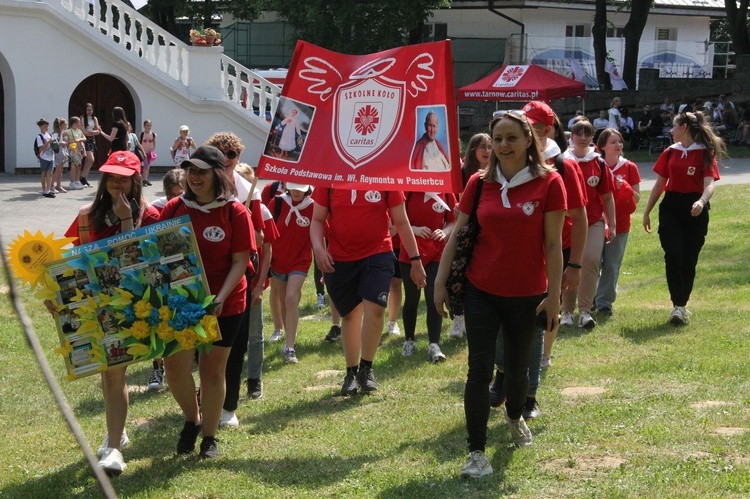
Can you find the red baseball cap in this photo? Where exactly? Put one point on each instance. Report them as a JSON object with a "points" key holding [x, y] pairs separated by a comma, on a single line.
{"points": [[123, 163], [537, 111]]}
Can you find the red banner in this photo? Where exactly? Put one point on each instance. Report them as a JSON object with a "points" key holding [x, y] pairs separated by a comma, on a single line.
{"points": [[384, 121]]}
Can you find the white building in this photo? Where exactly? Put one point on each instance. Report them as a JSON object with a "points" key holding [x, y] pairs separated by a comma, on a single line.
{"points": [[56, 56]]}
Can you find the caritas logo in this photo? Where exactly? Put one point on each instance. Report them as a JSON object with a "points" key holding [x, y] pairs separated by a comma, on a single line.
{"points": [[366, 120], [510, 76]]}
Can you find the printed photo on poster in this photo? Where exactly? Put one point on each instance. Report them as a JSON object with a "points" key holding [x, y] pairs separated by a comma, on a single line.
{"points": [[70, 282], [432, 148], [289, 130]]}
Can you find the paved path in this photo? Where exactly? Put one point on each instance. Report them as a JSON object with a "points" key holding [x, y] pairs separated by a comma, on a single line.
{"points": [[22, 206]]}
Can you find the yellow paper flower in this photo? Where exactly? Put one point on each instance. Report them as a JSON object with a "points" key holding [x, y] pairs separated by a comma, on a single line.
{"points": [[211, 327], [142, 309], [187, 338], [165, 331], [165, 313], [140, 329]]}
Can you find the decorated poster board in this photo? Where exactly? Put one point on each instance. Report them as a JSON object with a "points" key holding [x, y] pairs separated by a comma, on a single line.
{"points": [[132, 297]]}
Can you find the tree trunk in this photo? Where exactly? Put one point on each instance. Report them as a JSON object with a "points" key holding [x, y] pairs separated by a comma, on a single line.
{"points": [[599, 33], [633, 32], [737, 22]]}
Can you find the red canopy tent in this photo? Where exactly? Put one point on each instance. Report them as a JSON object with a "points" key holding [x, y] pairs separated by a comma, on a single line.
{"points": [[522, 84]]}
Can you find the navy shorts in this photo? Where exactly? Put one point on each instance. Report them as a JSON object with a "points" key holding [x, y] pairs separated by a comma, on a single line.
{"points": [[45, 165], [366, 279]]}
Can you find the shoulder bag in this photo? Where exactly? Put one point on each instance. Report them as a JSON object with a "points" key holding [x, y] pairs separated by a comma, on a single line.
{"points": [[466, 237]]}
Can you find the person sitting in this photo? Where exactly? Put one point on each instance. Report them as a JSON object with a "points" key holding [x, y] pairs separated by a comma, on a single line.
{"points": [[743, 128], [626, 123], [643, 129]]}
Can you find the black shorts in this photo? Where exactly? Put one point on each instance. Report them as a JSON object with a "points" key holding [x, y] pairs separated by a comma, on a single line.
{"points": [[229, 327], [397, 270], [366, 279], [91, 144]]}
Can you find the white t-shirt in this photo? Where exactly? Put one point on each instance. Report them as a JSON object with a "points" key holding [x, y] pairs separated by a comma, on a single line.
{"points": [[48, 154], [614, 116]]}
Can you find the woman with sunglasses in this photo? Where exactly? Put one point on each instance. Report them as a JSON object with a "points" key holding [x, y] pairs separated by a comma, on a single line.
{"points": [[686, 172], [225, 238], [514, 274], [118, 206]]}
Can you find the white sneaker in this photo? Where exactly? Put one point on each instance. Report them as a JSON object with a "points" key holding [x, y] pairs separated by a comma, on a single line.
{"points": [[76, 186], [277, 335], [476, 466], [228, 418], [679, 316], [321, 301], [459, 327], [585, 321], [112, 462], [546, 362], [124, 442], [290, 356], [393, 328], [566, 319], [408, 350], [519, 431], [435, 354]]}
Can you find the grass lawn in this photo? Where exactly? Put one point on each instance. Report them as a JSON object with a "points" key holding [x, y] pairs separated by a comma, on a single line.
{"points": [[634, 408]]}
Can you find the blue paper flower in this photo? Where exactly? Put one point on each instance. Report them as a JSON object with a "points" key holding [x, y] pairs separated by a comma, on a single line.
{"points": [[129, 313], [178, 322], [153, 318]]}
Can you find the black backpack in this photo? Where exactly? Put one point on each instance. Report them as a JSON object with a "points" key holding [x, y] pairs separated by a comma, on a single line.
{"points": [[36, 146]]}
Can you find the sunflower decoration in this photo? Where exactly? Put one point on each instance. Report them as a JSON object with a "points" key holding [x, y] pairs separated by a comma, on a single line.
{"points": [[154, 324], [28, 254]]}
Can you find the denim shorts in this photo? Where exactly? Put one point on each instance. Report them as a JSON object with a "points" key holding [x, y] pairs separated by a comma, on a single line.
{"points": [[366, 279], [45, 165], [285, 277]]}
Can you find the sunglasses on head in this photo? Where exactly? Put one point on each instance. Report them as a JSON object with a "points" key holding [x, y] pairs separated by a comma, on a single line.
{"points": [[230, 154], [518, 113]]}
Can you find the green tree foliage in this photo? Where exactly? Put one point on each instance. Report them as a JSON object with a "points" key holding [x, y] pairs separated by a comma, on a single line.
{"points": [[357, 26]]}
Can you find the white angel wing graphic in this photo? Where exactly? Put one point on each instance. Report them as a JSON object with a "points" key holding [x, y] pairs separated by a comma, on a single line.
{"points": [[325, 77], [417, 74]]}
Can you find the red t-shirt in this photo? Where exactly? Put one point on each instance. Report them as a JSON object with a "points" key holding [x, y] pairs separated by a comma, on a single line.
{"points": [[219, 237], [292, 251], [575, 193], [430, 214], [627, 171], [684, 174], [150, 216], [596, 184], [509, 256], [357, 228], [266, 195]]}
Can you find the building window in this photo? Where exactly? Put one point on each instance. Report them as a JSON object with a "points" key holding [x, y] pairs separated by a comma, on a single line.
{"points": [[724, 60], [434, 32], [577, 31], [666, 34], [613, 32]]}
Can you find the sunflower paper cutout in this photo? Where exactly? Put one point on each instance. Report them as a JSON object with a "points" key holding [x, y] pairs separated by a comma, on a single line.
{"points": [[29, 252]]}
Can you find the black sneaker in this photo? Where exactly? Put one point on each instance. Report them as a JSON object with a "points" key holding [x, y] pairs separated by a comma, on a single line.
{"points": [[209, 448], [254, 388], [366, 379], [147, 183], [84, 182], [605, 311], [188, 436], [350, 386], [531, 409], [334, 334], [497, 390]]}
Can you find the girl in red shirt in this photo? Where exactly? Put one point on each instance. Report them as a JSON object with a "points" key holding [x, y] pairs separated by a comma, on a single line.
{"points": [[225, 239], [626, 190], [514, 274], [687, 171], [292, 256], [600, 211], [120, 192]]}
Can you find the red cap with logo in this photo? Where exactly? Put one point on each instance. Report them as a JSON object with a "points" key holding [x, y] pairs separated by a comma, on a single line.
{"points": [[123, 163], [539, 112]]}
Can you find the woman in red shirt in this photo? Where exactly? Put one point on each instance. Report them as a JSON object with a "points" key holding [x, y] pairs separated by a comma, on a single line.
{"points": [[514, 274], [687, 171], [225, 239], [119, 206]]}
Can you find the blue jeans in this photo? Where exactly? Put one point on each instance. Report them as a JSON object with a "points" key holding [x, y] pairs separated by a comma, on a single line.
{"points": [[535, 360], [486, 315], [606, 289], [255, 345]]}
